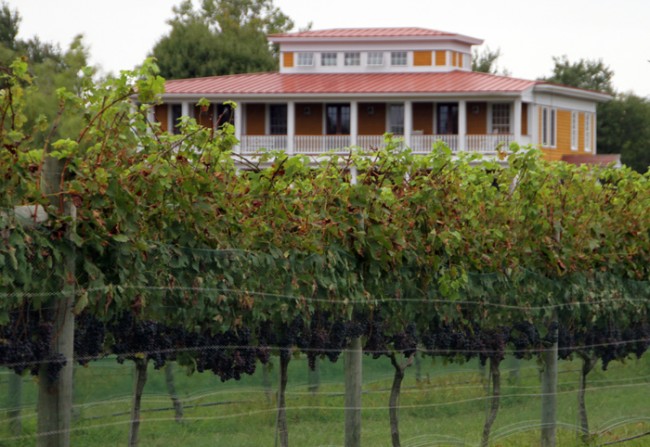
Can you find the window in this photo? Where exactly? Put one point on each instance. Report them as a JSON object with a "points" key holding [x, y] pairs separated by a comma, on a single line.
{"points": [[337, 119], [398, 58], [225, 114], [352, 59], [447, 118], [574, 131], [548, 127], [500, 118], [278, 119], [375, 58], [588, 134], [396, 119], [328, 59], [177, 113], [305, 59]]}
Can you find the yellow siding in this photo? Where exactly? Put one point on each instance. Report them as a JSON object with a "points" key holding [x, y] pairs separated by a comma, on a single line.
{"points": [[563, 144], [524, 119], [255, 119], [309, 119], [476, 118], [441, 58], [287, 60], [372, 118], [422, 58], [423, 117], [160, 114]]}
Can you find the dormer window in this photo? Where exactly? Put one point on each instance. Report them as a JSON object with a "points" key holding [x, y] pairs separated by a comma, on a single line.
{"points": [[305, 60], [328, 59], [352, 59], [375, 58], [398, 58]]}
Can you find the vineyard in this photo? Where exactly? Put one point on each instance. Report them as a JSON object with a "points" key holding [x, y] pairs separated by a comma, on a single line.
{"points": [[122, 244]]}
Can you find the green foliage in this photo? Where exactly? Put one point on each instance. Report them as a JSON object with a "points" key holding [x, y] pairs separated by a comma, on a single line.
{"points": [[624, 128], [486, 61], [221, 37], [9, 23], [169, 229], [585, 73]]}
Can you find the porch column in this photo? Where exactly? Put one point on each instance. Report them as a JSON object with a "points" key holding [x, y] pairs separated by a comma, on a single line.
{"points": [[408, 122], [151, 115], [239, 124], [185, 108], [517, 120], [533, 123], [291, 125], [462, 124], [354, 122]]}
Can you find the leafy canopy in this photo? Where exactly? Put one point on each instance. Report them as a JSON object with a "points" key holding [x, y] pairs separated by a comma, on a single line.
{"points": [[220, 37], [585, 73]]}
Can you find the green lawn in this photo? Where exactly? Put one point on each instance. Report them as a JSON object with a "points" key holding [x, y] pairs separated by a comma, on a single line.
{"points": [[447, 407]]}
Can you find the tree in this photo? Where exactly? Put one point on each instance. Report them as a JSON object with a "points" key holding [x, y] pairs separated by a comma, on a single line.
{"points": [[9, 23], [585, 73], [221, 37], [486, 61], [624, 127]]}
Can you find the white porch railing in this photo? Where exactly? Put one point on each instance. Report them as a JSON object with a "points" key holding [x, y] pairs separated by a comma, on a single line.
{"points": [[423, 144], [420, 144], [252, 144], [488, 143], [370, 141], [319, 144]]}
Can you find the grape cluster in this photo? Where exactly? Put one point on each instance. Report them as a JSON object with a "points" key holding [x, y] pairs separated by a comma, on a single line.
{"points": [[133, 339], [25, 344], [89, 335]]}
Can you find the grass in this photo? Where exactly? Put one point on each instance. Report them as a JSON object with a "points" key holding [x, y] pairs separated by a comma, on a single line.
{"points": [[445, 408]]}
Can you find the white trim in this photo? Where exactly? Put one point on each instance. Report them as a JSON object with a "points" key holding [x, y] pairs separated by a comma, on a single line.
{"points": [[572, 92], [291, 125], [588, 132], [354, 122], [549, 127], [408, 122], [516, 122], [575, 124], [462, 124]]}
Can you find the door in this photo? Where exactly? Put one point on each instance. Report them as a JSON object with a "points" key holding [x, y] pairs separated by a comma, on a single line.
{"points": [[337, 118], [447, 118]]}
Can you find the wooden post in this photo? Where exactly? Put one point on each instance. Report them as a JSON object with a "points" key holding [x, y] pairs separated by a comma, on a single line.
{"points": [[495, 376], [313, 377], [55, 396], [549, 392], [14, 402], [138, 388], [353, 378], [171, 389], [283, 430]]}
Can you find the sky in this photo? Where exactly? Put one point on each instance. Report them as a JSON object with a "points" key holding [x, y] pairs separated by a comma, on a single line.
{"points": [[121, 33]]}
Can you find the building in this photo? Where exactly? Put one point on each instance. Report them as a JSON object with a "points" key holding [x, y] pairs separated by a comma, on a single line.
{"points": [[347, 87]]}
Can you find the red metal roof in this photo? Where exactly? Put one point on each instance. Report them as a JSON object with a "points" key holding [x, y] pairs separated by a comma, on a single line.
{"points": [[365, 32], [349, 84]]}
